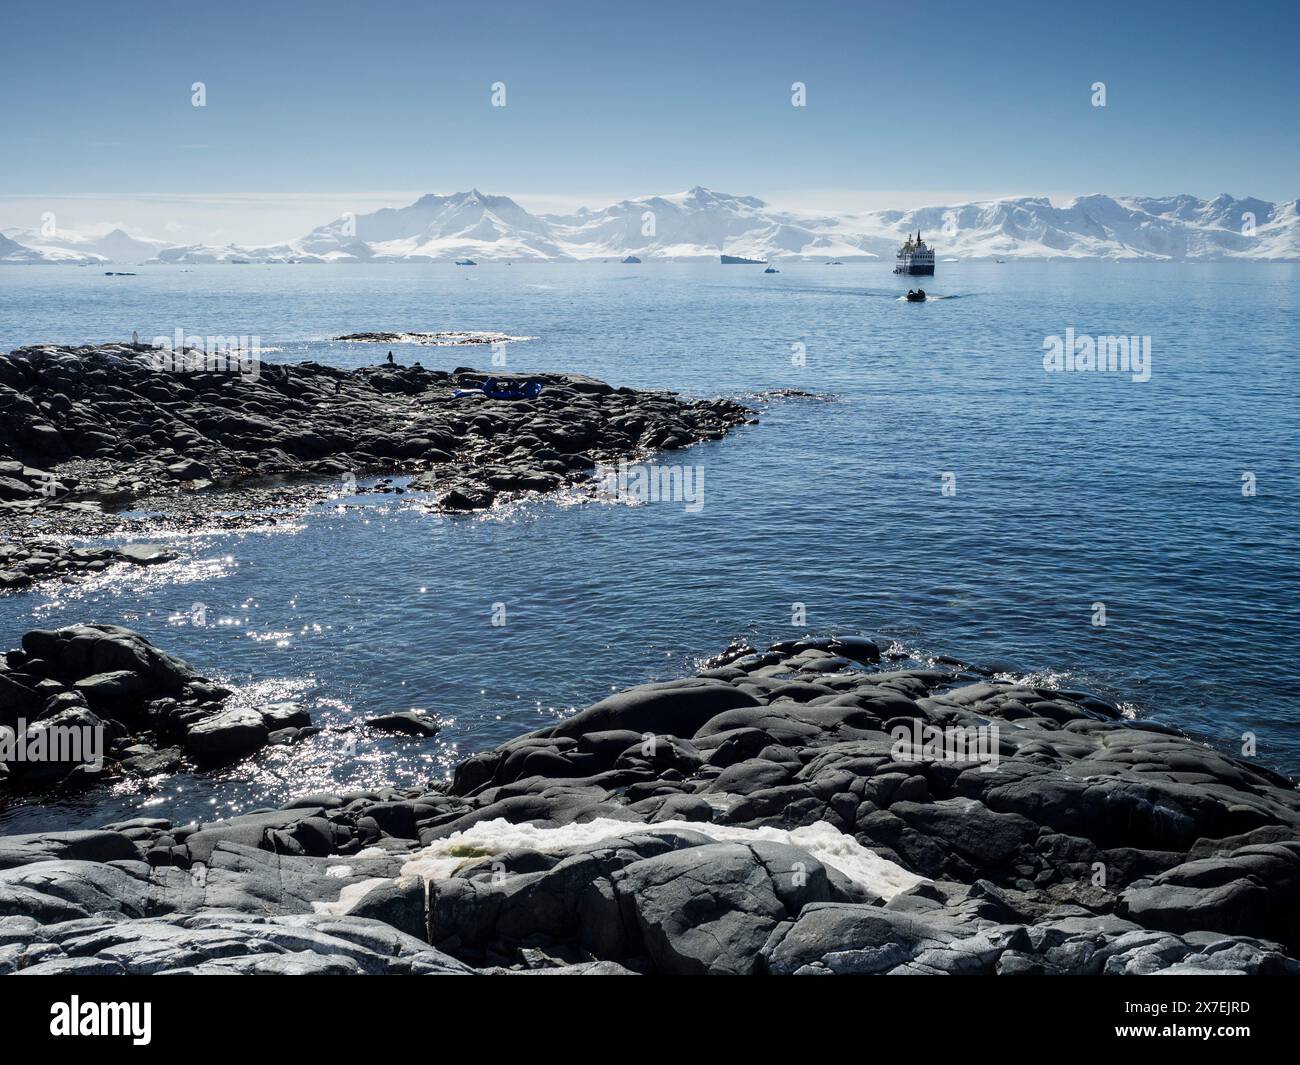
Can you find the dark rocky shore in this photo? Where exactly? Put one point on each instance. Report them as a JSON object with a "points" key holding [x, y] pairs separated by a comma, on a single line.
{"points": [[143, 711], [91, 431], [805, 809], [824, 806]]}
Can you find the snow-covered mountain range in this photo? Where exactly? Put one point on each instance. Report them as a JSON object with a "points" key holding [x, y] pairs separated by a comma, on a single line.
{"points": [[101, 244], [702, 224]]}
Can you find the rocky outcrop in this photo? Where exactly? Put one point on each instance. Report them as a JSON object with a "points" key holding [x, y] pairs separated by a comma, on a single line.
{"points": [[87, 431], [112, 425], [811, 808], [90, 703]]}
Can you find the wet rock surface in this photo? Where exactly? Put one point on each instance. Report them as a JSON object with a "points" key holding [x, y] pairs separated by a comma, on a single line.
{"points": [[24, 564], [810, 808], [88, 432], [93, 703]]}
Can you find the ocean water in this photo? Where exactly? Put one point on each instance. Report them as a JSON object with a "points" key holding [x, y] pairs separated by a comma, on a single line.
{"points": [[1071, 490]]}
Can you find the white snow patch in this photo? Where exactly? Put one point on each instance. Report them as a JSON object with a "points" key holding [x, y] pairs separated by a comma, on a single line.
{"points": [[350, 895], [455, 339], [821, 840]]}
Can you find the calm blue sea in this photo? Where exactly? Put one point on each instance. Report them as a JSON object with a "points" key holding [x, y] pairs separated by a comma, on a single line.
{"points": [[1072, 489]]}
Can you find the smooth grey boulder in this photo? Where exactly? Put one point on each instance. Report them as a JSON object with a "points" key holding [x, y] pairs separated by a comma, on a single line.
{"points": [[277, 716], [16, 697], [711, 908], [406, 723], [1247, 892], [108, 686], [672, 708], [66, 889], [226, 735], [849, 939], [87, 845], [400, 903]]}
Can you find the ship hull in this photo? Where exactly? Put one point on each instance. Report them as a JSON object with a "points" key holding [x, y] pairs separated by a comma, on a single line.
{"points": [[915, 258]]}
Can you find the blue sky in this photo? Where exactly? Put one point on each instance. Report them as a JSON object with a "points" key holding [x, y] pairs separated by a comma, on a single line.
{"points": [[315, 105]]}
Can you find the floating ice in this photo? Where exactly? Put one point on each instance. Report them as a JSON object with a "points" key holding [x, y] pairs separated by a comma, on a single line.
{"points": [[436, 340]]}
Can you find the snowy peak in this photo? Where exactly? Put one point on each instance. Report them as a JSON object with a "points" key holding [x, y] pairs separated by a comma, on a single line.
{"points": [[102, 244], [437, 227], [697, 224], [701, 198], [13, 252], [119, 246]]}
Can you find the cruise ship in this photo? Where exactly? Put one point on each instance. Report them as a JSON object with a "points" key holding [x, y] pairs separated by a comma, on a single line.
{"points": [[914, 257]]}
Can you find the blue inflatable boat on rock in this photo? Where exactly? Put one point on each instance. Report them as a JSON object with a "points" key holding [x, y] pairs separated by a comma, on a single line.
{"points": [[494, 389]]}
